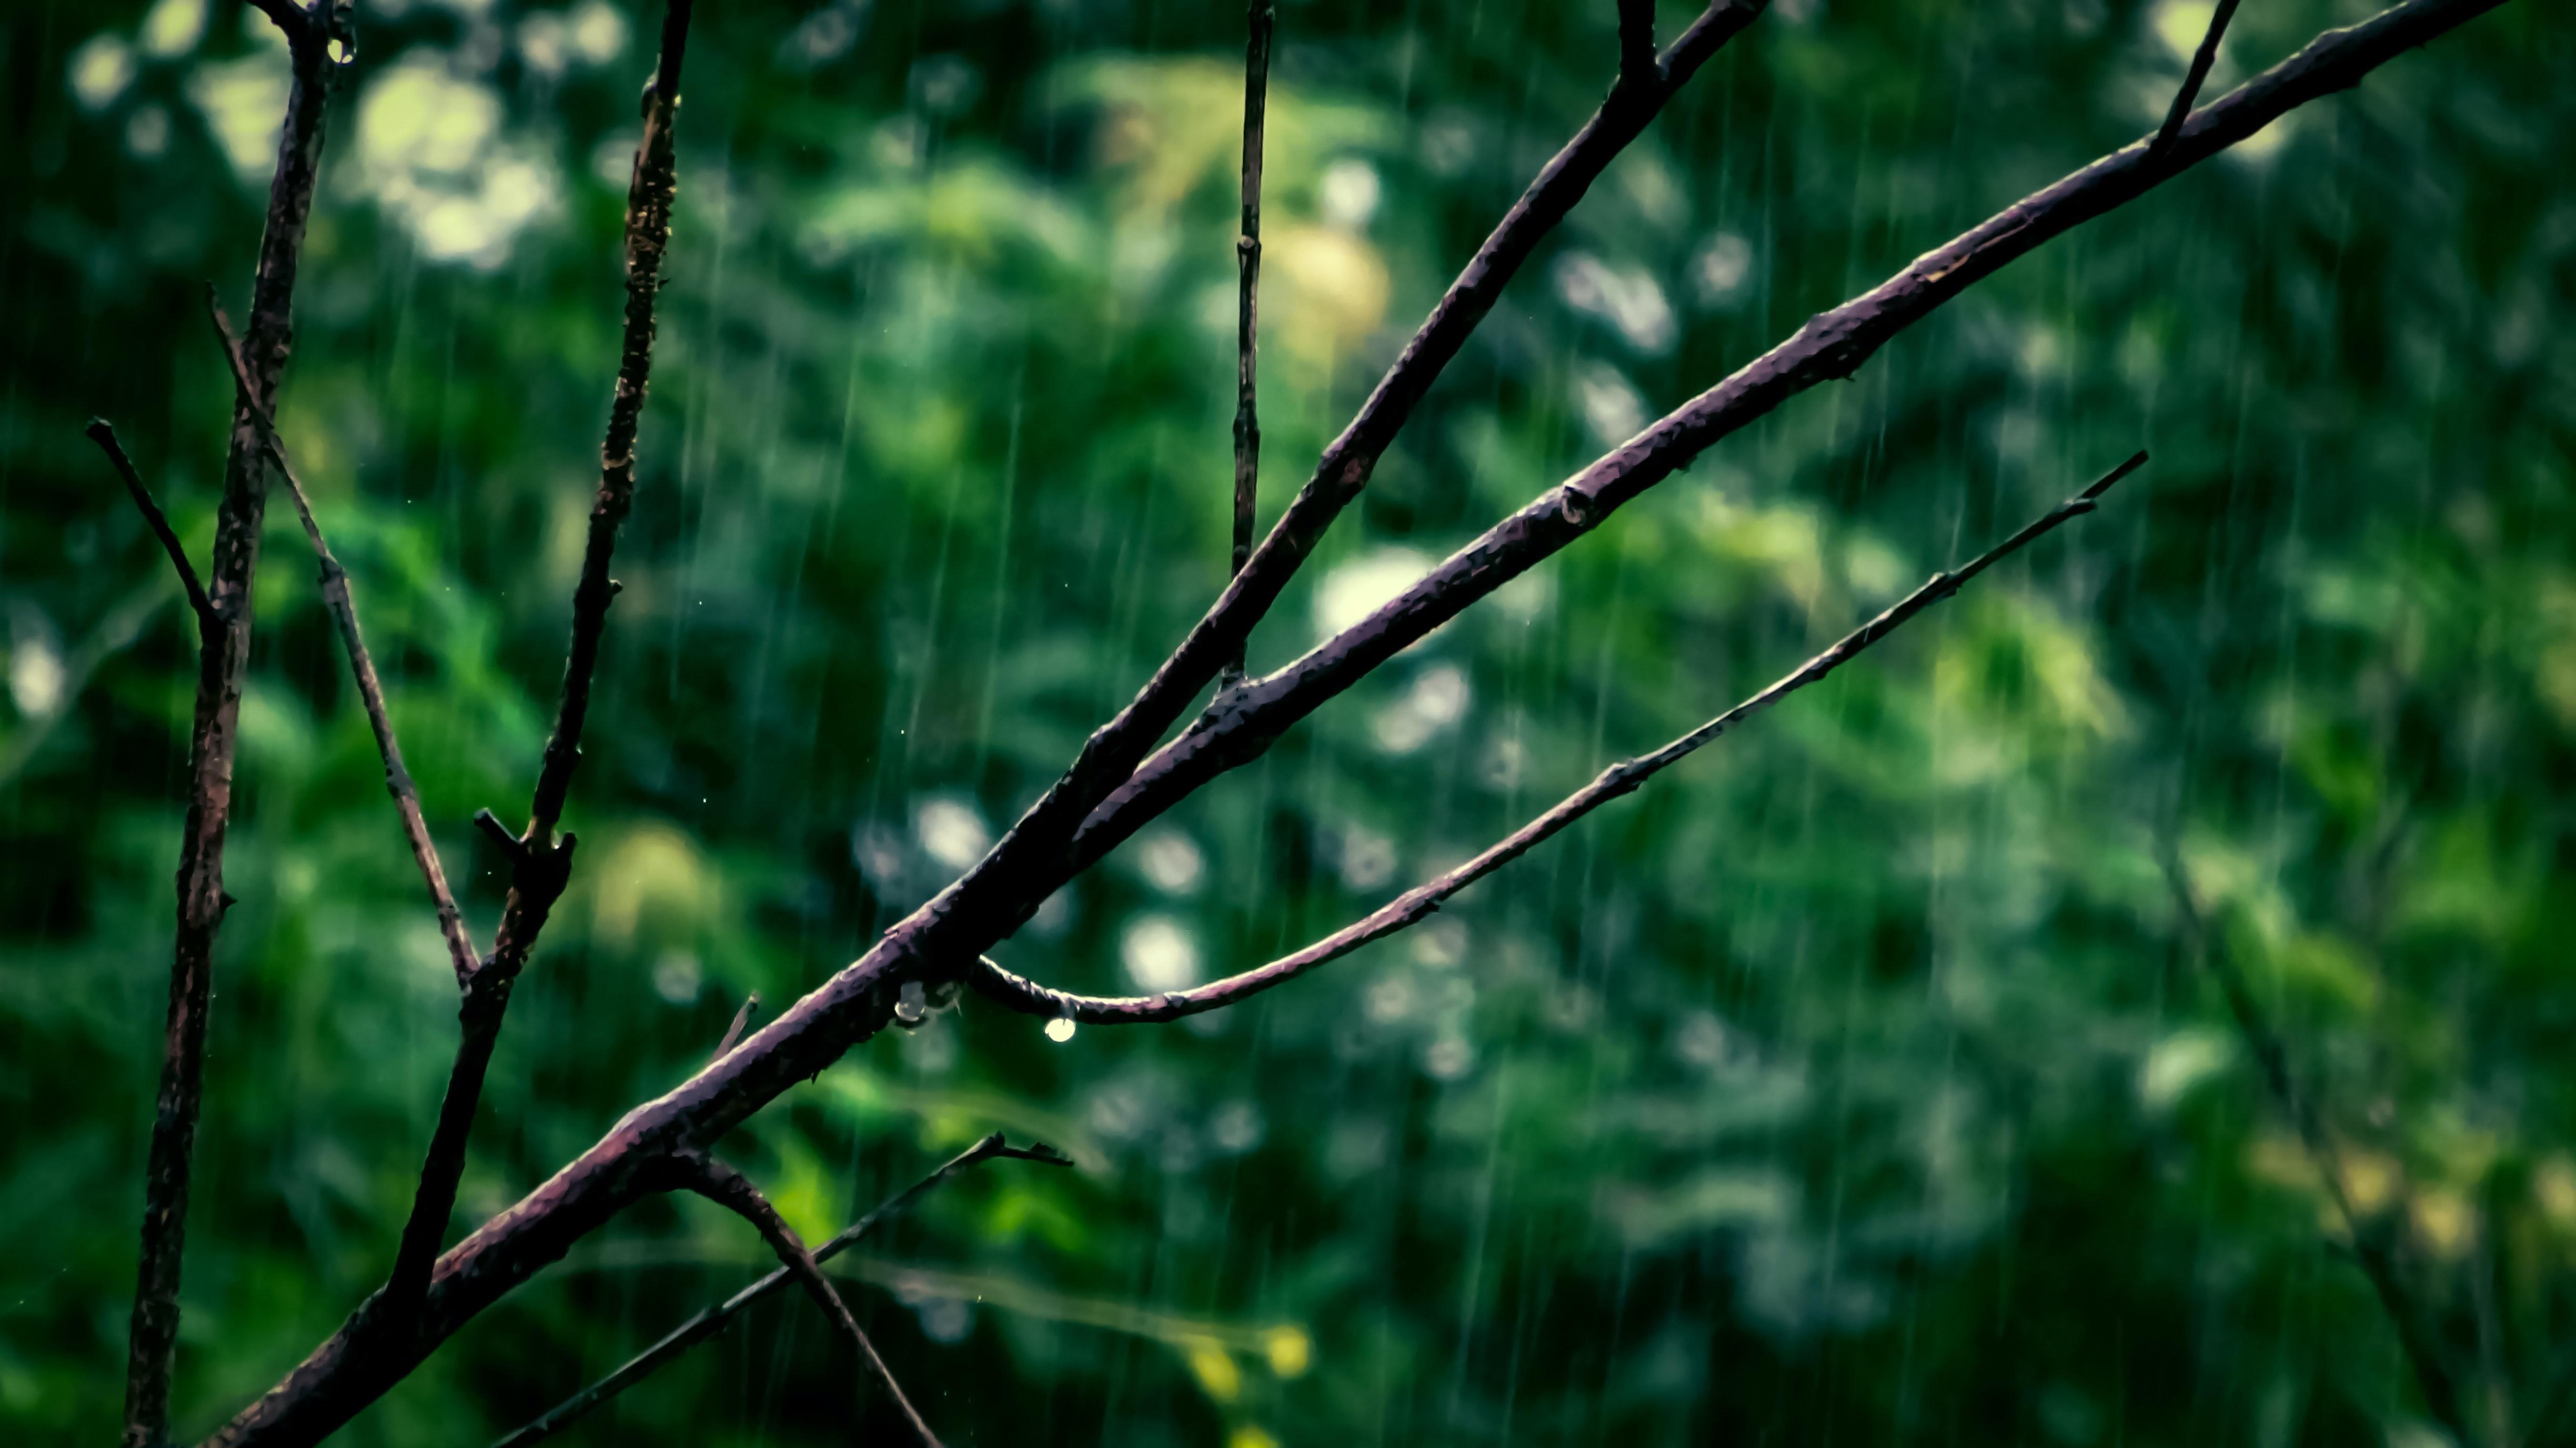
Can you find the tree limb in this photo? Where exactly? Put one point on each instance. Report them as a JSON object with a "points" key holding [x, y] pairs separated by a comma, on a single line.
{"points": [[2369, 1239], [732, 1190], [1259, 17], [223, 657], [355, 1366], [541, 865], [1417, 904], [104, 434], [2201, 60], [712, 1320], [362, 666]]}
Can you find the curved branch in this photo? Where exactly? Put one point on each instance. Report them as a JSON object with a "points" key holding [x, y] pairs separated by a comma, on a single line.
{"points": [[103, 433], [712, 1320], [1417, 904], [1242, 724], [733, 1191]]}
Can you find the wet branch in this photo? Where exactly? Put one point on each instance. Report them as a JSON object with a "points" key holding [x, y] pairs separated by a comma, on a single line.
{"points": [[2370, 1238], [943, 938], [362, 666], [1243, 723], [1247, 252], [541, 864], [104, 434], [223, 657], [733, 1191], [2201, 60], [712, 1320], [1418, 904]]}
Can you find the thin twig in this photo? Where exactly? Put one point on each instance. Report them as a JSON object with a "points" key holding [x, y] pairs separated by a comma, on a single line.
{"points": [[2369, 1240], [1417, 904], [357, 1365], [732, 1190], [541, 864], [1247, 252], [2201, 60], [362, 666], [712, 1320], [223, 658], [102, 433], [741, 1022]]}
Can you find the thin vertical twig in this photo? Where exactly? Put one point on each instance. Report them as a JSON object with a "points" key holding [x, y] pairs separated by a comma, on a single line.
{"points": [[1259, 18], [223, 658], [709, 1321], [1636, 42], [362, 666], [2201, 60], [732, 1190], [540, 863], [2368, 1239]]}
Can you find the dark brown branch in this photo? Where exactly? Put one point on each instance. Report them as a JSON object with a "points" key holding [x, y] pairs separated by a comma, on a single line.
{"points": [[1417, 904], [1636, 42], [2370, 1238], [104, 435], [712, 1320], [362, 665], [732, 1190], [1833, 345], [540, 863], [741, 1022], [2201, 60], [356, 1365], [223, 657], [1007, 882], [1247, 251]]}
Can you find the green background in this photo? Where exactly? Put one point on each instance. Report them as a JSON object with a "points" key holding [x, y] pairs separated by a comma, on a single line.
{"points": [[1855, 1083]]}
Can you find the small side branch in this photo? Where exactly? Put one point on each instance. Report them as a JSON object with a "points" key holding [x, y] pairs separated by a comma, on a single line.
{"points": [[1417, 904], [102, 433], [540, 864], [741, 1022], [2369, 1239], [733, 1191], [712, 1320], [1247, 251], [362, 665], [1636, 42], [2201, 60]]}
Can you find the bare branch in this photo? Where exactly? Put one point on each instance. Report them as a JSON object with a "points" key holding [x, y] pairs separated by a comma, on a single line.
{"points": [[2369, 1238], [223, 657], [360, 1362], [712, 1320], [2201, 60], [1247, 251], [362, 666], [730, 1189], [104, 435], [1417, 904], [1008, 879], [540, 863], [1243, 723]]}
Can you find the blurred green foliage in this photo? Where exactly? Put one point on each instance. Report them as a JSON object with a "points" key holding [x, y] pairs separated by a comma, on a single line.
{"points": [[1853, 1083]]}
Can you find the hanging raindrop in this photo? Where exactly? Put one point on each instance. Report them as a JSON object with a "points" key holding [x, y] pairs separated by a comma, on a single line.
{"points": [[1060, 1029]]}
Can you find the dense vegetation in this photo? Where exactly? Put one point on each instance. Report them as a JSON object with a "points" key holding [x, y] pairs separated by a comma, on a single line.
{"points": [[1859, 1081]]}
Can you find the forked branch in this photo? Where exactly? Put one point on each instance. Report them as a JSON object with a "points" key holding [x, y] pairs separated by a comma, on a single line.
{"points": [[1417, 904], [712, 1320], [732, 1190], [2201, 60], [100, 432], [223, 658]]}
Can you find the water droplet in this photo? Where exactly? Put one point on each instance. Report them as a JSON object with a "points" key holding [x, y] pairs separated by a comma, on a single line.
{"points": [[1060, 1029]]}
